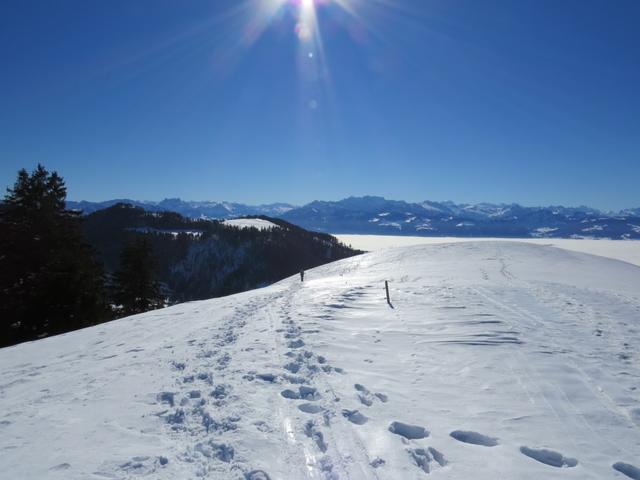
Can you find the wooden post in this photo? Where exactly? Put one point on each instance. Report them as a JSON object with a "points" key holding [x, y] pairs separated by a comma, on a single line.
{"points": [[386, 287]]}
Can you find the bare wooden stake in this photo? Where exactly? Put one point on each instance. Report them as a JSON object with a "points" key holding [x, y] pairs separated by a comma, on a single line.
{"points": [[386, 287]]}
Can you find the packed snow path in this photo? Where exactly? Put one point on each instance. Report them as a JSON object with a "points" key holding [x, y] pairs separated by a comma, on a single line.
{"points": [[496, 360]]}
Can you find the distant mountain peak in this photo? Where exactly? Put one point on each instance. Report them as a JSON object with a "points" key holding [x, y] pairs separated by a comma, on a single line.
{"points": [[377, 215], [192, 209], [371, 214]]}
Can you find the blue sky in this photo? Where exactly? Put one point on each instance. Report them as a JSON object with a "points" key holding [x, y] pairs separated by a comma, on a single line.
{"points": [[529, 101]]}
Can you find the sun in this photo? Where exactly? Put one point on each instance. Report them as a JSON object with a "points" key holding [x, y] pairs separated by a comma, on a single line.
{"points": [[304, 19], [306, 27]]}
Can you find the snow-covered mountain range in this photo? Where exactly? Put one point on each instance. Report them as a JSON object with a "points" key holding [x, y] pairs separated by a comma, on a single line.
{"points": [[377, 215], [498, 360], [192, 209]]}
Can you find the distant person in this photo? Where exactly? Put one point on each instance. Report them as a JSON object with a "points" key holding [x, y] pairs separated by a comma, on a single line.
{"points": [[302, 275]]}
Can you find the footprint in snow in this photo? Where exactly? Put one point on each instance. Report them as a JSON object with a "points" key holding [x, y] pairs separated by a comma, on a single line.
{"points": [[220, 392], [293, 367], [167, 397], [311, 431], [627, 469], [382, 397], [266, 377], [304, 393], [219, 451], [257, 475], [295, 379], [549, 457], [354, 416], [290, 394], [205, 377], [424, 457], [296, 343], [366, 397], [310, 408], [410, 432], [179, 365], [474, 438]]}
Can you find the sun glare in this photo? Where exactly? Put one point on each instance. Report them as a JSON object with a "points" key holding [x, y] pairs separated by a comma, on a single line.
{"points": [[306, 27], [304, 21]]}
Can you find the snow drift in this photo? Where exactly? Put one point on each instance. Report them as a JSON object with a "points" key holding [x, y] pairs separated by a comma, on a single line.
{"points": [[496, 360]]}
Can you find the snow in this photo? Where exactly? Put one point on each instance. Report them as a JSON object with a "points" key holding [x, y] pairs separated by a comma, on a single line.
{"points": [[624, 250], [164, 231], [500, 212], [495, 360], [251, 223], [595, 228], [426, 225], [390, 224], [430, 207], [543, 231]]}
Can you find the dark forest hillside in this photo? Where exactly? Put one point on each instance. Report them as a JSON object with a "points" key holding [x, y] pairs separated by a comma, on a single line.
{"points": [[199, 259]]}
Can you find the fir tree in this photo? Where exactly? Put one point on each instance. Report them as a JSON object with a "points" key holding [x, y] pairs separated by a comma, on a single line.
{"points": [[49, 281], [136, 287]]}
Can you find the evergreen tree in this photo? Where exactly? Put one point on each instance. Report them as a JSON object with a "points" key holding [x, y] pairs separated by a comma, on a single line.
{"points": [[136, 287], [49, 281]]}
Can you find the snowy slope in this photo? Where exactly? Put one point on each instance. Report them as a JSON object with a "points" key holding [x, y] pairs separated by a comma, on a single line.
{"points": [[497, 360], [625, 250], [258, 223]]}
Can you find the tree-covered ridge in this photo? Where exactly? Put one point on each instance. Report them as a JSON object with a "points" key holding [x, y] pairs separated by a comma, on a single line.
{"points": [[200, 259], [60, 271]]}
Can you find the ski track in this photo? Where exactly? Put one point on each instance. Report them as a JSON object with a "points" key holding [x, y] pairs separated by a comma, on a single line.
{"points": [[280, 385], [315, 413]]}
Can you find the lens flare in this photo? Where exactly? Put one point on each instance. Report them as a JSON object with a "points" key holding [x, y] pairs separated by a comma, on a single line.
{"points": [[248, 20]]}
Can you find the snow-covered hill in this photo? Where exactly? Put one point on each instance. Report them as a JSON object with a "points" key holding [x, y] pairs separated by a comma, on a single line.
{"points": [[497, 360], [258, 223], [624, 250]]}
